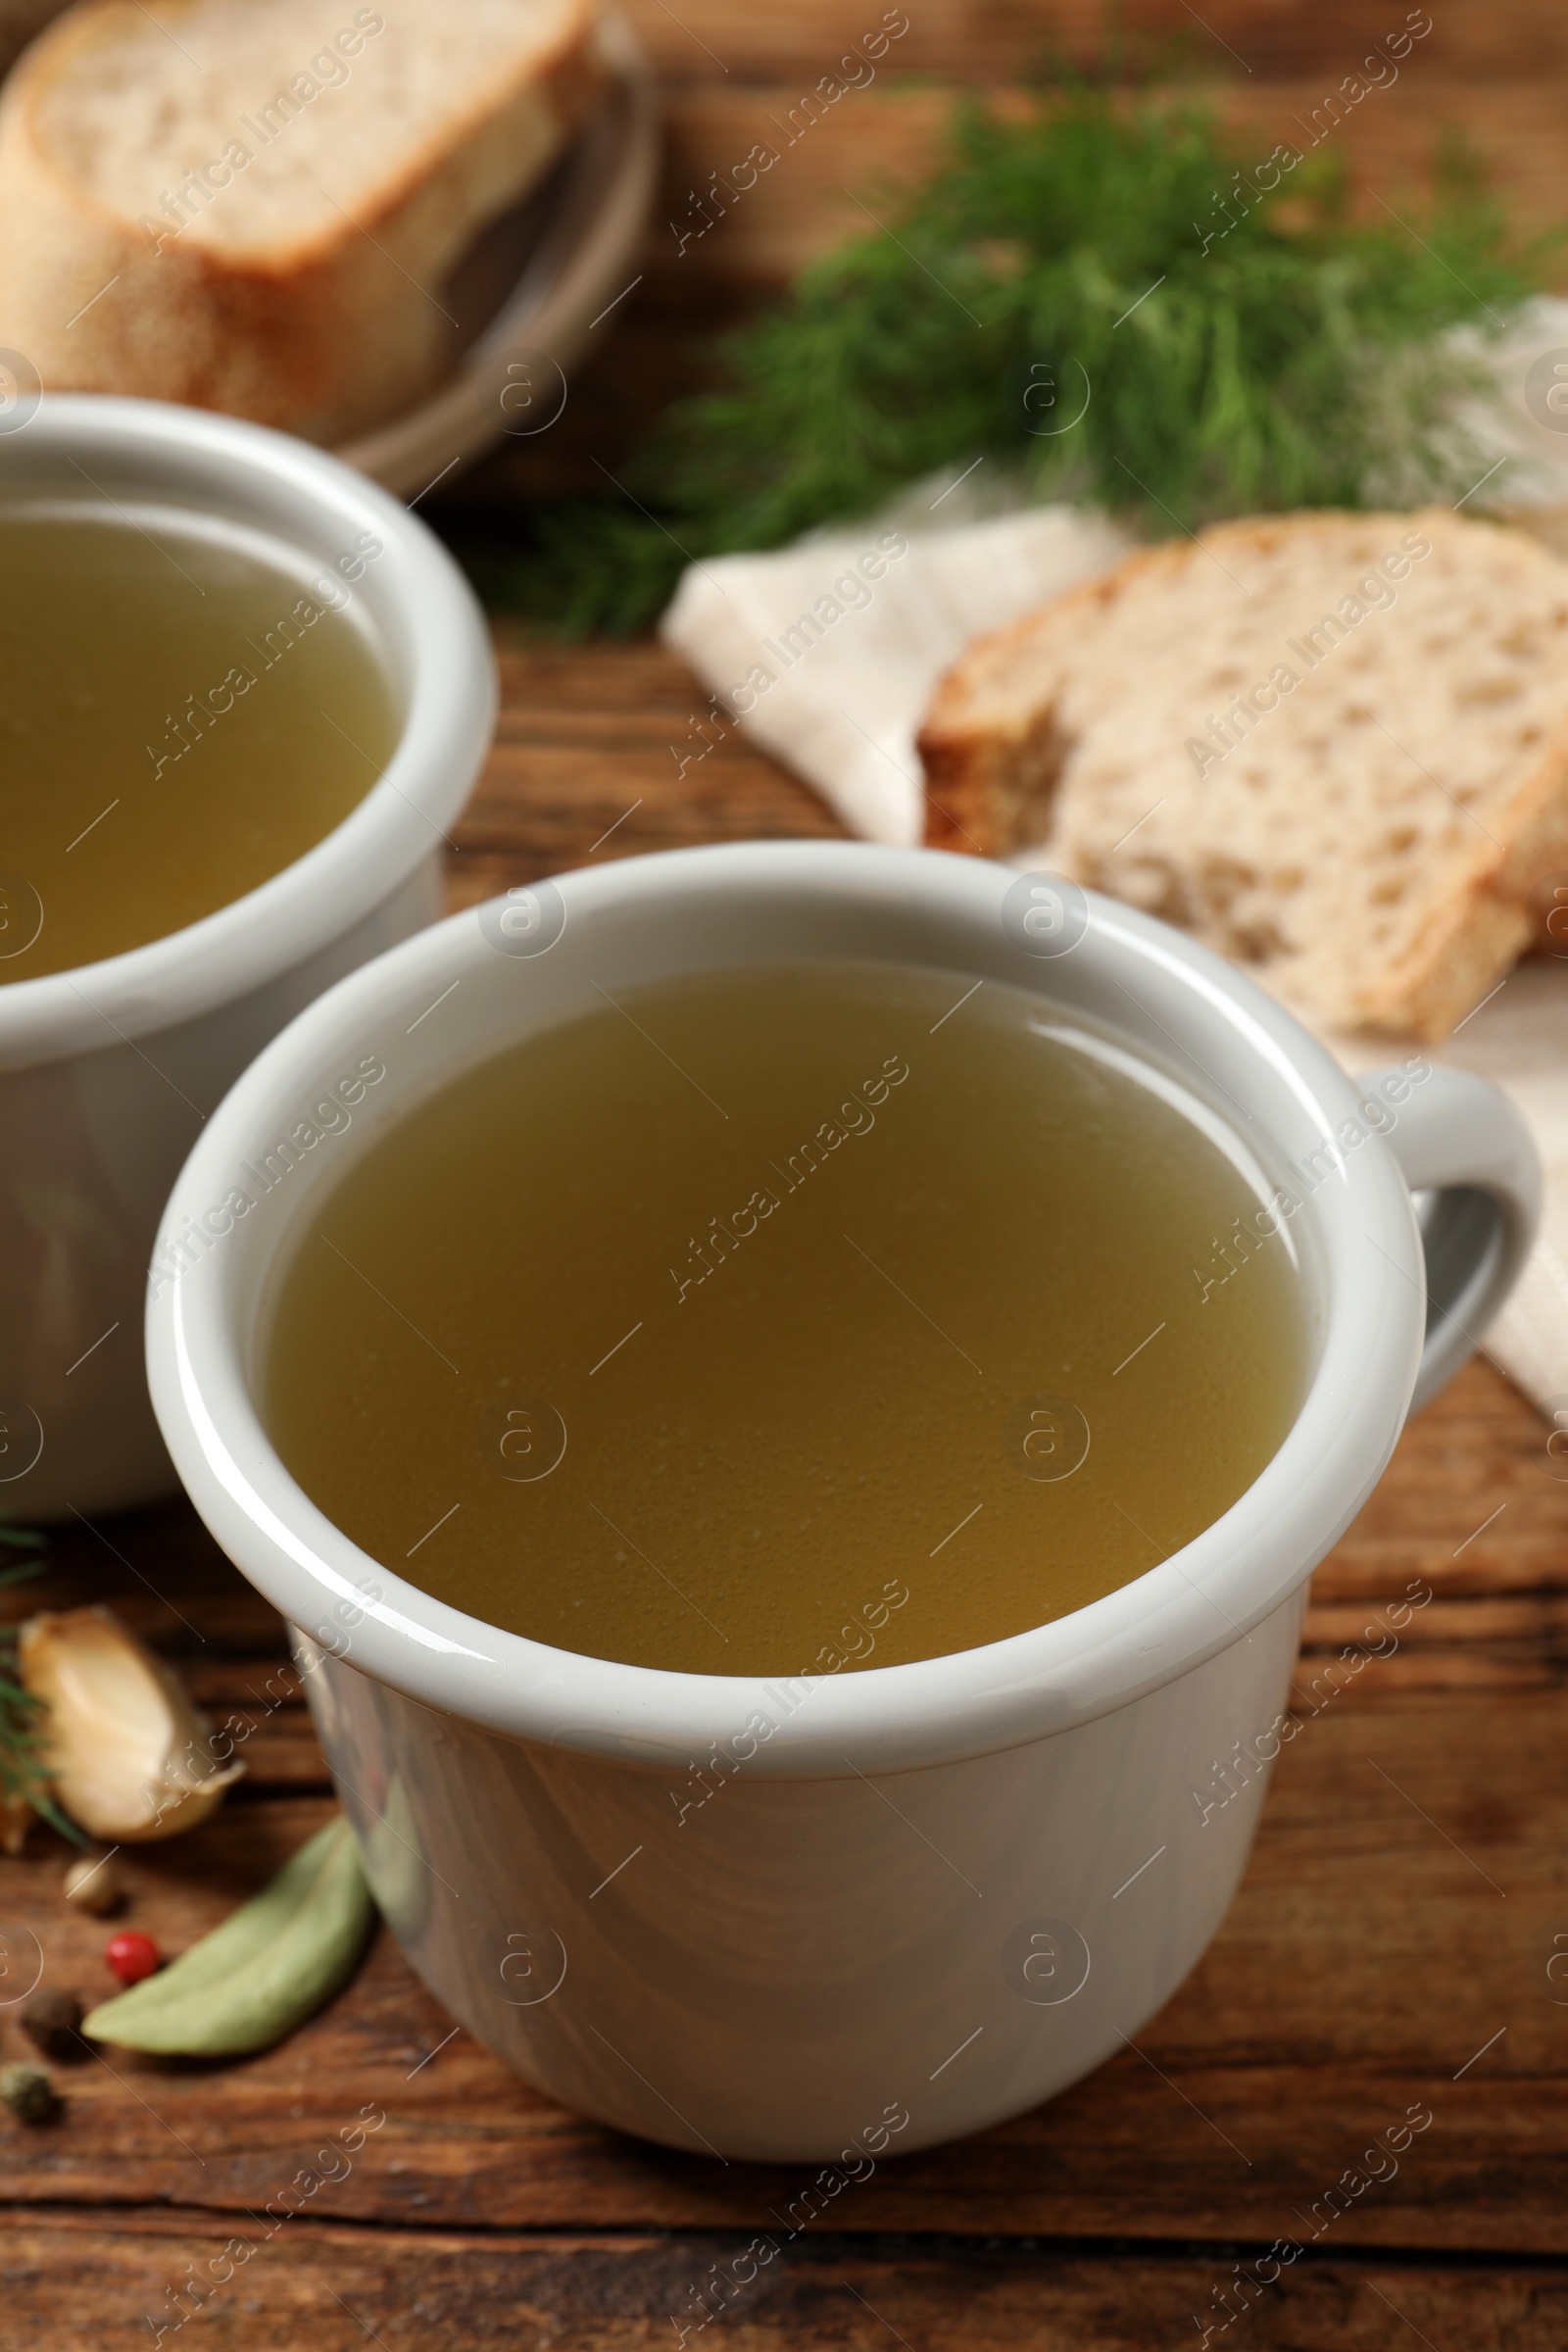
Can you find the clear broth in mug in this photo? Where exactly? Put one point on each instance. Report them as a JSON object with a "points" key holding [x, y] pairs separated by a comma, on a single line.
{"points": [[185, 708], [790, 1319]]}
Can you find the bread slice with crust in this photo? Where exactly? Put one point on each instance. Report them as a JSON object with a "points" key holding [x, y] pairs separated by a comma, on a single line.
{"points": [[252, 205], [1334, 746], [21, 22]]}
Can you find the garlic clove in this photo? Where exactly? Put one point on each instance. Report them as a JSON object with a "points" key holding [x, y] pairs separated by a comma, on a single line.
{"points": [[127, 1753]]}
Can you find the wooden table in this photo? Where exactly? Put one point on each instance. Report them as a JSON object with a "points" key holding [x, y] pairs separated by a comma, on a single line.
{"points": [[1396, 1942], [1393, 1945]]}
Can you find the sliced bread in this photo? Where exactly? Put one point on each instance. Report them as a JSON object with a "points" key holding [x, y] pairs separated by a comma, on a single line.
{"points": [[20, 21], [1334, 746], [252, 205]]}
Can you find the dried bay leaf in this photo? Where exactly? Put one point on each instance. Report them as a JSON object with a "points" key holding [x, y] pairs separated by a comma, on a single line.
{"points": [[271, 1964]]}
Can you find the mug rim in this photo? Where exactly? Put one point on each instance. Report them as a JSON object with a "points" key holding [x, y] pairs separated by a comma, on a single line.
{"points": [[449, 687], [1209, 1593]]}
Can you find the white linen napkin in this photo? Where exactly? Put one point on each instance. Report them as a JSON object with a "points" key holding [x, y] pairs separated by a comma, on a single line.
{"points": [[827, 652]]}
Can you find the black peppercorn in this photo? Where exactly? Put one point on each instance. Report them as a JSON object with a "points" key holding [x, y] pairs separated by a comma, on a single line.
{"points": [[52, 2022]]}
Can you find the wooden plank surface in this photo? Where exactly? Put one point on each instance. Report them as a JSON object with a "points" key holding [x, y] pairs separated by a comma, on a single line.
{"points": [[1391, 1942], [1400, 1914], [335, 2290], [1399, 1917], [1399, 1909]]}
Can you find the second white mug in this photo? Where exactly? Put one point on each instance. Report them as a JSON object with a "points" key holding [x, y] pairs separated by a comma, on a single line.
{"points": [[108, 1071]]}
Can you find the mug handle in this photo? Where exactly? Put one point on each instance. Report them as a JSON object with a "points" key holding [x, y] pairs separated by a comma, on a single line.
{"points": [[1462, 1144]]}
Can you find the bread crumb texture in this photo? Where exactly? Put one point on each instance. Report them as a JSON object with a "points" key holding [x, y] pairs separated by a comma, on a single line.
{"points": [[254, 205], [1334, 746], [133, 116]]}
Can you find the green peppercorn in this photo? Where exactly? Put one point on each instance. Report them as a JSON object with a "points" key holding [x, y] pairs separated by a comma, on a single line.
{"points": [[28, 2094]]}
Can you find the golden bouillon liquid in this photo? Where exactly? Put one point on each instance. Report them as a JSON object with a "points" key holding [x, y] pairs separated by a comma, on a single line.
{"points": [[786, 1320], [184, 710]]}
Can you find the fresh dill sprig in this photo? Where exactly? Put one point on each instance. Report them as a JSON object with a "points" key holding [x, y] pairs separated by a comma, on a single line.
{"points": [[23, 1778], [1242, 346]]}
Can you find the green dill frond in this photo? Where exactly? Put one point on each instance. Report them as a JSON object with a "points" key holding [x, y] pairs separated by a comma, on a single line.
{"points": [[23, 1779], [1243, 345]]}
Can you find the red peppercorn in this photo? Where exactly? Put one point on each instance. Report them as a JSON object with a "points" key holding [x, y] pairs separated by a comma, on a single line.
{"points": [[133, 1957]]}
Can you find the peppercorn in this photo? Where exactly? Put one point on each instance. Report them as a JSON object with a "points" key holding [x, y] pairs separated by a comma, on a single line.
{"points": [[53, 2021], [133, 1957], [92, 1884], [28, 2094]]}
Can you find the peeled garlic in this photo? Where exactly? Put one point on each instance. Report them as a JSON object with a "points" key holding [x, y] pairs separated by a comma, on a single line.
{"points": [[126, 1753]]}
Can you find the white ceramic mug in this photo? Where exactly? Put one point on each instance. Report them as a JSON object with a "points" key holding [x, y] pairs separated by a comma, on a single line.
{"points": [[921, 1897], [108, 1071]]}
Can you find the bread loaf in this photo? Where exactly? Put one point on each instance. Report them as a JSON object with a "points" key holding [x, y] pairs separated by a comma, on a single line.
{"points": [[1334, 746], [19, 22], [252, 205]]}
